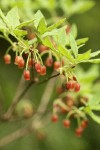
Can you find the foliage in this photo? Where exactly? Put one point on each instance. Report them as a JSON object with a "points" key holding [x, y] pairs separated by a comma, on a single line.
{"points": [[26, 35]]}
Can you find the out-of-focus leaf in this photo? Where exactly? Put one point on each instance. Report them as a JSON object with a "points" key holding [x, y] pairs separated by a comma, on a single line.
{"points": [[94, 117]]}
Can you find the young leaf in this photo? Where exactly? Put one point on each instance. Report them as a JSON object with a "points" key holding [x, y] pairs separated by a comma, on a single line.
{"points": [[65, 53], [4, 19], [82, 6], [23, 24], [2, 26], [94, 117], [82, 41], [42, 26], [96, 61], [84, 56], [46, 41], [95, 107], [60, 37], [19, 32], [73, 44], [13, 17], [54, 26], [37, 17], [74, 30], [95, 54]]}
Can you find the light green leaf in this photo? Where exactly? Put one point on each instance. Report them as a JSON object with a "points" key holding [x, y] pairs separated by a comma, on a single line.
{"points": [[96, 61], [60, 37], [4, 19], [80, 46], [84, 56], [74, 30], [73, 45], [13, 17], [37, 17], [19, 32], [23, 24], [95, 53], [2, 26], [82, 41], [46, 41], [94, 117], [54, 26], [51, 33], [66, 53], [42, 26], [81, 6], [95, 107]]}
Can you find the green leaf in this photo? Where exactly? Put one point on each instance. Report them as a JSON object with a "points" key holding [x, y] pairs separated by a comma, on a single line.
{"points": [[95, 53], [94, 117], [84, 56], [82, 41], [81, 6], [4, 19], [60, 37], [51, 33], [73, 45], [66, 53], [20, 33], [42, 26], [13, 17], [80, 46], [46, 41], [2, 26], [74, 30], [96, 61], [37, 17], [54, 26], [95, 107], [23, 24]]}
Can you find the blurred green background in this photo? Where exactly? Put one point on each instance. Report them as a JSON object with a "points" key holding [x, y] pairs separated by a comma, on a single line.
{"points": [[57, 137]]}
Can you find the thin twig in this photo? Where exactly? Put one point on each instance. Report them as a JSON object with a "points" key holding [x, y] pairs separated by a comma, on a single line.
{"points": [[15, 135], [17, 98], [36, 121]]}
